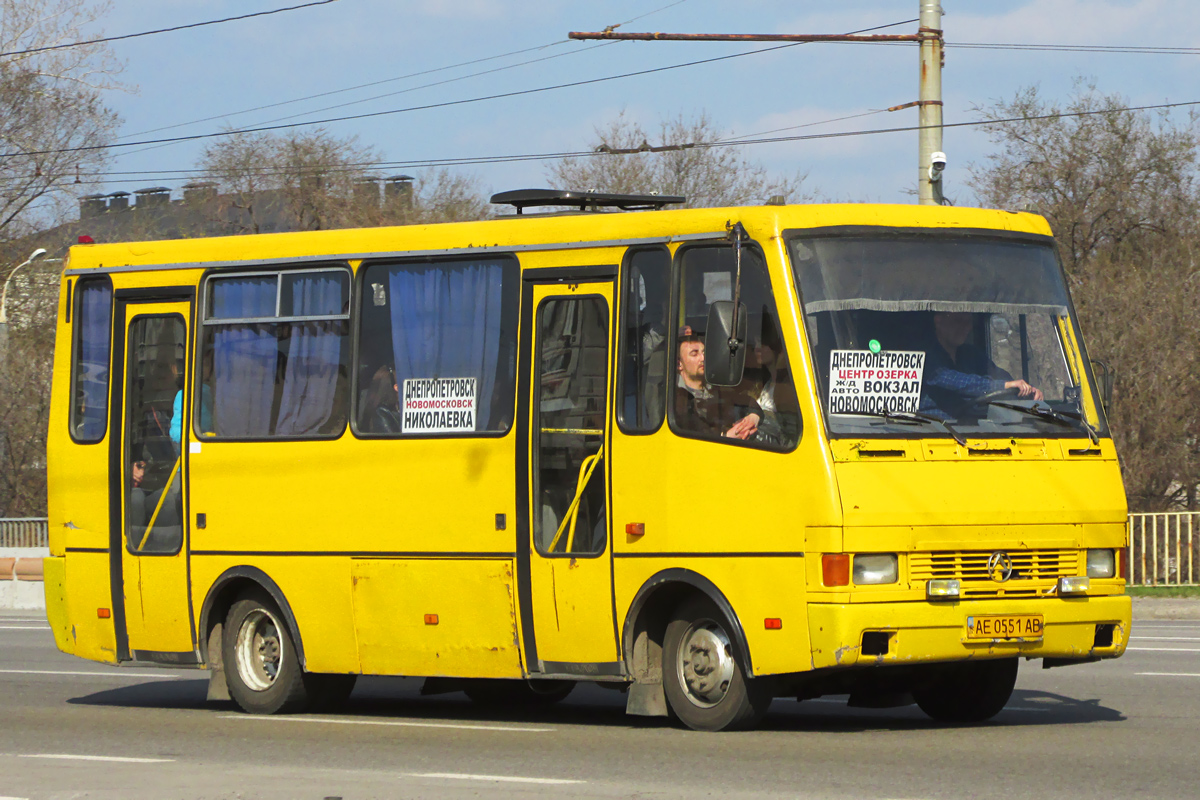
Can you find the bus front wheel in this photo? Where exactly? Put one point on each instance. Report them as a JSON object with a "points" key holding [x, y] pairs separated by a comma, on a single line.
{"points": [[262, 668], [706, 686], [972, 691]]}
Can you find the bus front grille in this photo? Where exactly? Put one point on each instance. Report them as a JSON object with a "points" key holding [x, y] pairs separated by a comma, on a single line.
{"points": [[1031, 570]]}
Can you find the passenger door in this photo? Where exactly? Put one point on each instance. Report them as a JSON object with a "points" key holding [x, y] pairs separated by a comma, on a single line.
{"points": [[149, 538], [569, 523]]}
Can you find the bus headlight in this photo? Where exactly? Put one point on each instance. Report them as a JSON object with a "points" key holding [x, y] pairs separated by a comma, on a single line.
{"points": [[1101, 563], [875, 568]]}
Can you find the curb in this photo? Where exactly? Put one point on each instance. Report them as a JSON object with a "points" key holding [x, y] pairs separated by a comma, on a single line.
{"points": [[1146, 608]]}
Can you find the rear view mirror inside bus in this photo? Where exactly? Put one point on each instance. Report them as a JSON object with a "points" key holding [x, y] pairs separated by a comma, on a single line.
{"points": [[724, 352]]}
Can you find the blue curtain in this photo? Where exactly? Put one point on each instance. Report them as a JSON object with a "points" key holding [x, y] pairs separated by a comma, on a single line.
{"points": [[244, 357], [91, 391], [314, 354], [446, 324]]}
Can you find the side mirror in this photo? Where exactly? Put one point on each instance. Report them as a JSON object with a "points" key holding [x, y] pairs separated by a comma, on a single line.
{"points": [[1104, 375], [725, 351]]}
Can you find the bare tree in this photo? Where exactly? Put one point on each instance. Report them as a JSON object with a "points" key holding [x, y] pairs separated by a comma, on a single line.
{"points": [[1119, 189], [312, 180], [682, 161], [51, 109]]}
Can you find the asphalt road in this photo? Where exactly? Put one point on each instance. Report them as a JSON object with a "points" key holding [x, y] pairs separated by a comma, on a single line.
{"points": [[71, 729]]}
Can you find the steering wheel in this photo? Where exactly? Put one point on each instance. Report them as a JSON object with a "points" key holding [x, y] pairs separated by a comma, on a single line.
{"points": [[998, 394]]}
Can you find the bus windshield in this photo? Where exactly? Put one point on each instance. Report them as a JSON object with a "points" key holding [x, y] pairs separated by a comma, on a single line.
{"points": [[937, 334]]}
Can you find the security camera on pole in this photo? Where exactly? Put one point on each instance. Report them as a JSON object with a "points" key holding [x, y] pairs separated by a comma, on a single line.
{"points": [[931, 161]]}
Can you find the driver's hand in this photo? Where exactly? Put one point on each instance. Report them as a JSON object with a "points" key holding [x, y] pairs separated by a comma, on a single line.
{"points": [[1024, 389], [744, 428]]}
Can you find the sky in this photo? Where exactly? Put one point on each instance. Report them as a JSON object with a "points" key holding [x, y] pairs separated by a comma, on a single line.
{"points": [[197, 81]]}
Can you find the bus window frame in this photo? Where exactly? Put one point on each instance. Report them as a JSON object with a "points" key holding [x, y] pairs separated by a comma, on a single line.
{"points": [[360, 278], [623, 305], [673, 338], [788, 235], [535, 396], [204, 323], [76, 346], [127, 436]]}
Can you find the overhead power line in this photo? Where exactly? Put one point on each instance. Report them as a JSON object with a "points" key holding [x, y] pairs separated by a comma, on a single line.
{"points": [[729, 142], [428, 106], [102, 40]]}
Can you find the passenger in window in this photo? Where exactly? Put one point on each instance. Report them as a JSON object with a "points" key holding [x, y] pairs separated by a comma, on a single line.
{"points": [[769, 382], [380, 406], [711, 410], [957, 372]]}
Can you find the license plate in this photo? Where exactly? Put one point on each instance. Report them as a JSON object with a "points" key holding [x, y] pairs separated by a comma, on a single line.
{"points": [[1005, 626]]}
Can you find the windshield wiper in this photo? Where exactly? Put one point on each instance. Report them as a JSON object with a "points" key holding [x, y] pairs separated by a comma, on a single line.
{"points": [[909, 416], [1067, 418]]}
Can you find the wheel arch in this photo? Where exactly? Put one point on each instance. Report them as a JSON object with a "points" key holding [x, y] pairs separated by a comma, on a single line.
{"points": [[230, 585], [650, 612]]}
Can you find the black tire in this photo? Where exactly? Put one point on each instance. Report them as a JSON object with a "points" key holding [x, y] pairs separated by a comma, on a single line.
{"points": [[328, 692], [704, 680], [262, 667], [973, 691], [536, 692]]}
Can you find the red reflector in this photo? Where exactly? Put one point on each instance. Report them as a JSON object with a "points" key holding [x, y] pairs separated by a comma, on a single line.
{"points": [[635, 528], [431, 619], [103, 613], [85, 239], [773, 623], [835, 569]]}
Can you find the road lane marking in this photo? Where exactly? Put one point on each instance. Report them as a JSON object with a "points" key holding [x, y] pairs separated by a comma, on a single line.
{"points": [[1170, 674], [1165, 649], [460, 776], [114, 674], [24, 627], [391, 723], [121, 759], [1164, 639]]}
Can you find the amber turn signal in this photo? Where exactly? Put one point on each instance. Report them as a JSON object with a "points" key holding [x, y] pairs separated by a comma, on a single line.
{"points": [[103, 613], [635, 528], [835, 569], [773, 623], [431, 619]]}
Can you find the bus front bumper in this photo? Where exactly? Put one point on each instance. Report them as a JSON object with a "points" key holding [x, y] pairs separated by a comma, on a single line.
{"points": [[1081, 628]]}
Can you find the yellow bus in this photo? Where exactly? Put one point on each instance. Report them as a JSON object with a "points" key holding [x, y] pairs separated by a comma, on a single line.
{"points": [[710, 456]]}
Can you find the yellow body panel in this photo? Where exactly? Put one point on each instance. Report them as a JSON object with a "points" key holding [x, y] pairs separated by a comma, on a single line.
{"points": [[413, 617], [363, 538]]}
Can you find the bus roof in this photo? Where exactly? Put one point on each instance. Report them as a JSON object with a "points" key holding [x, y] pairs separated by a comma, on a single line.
{"points": [[533, 232]]}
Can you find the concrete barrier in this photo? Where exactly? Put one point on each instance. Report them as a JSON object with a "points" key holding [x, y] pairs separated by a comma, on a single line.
{"points": [[21, 577]]}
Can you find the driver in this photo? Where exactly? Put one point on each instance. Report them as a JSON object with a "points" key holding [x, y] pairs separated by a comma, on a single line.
{"points": [[957, 373], [712, 410]]}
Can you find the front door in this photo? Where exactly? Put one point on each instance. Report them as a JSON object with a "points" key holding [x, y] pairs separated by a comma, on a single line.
{"points": [[151, 548], [569, 475]]}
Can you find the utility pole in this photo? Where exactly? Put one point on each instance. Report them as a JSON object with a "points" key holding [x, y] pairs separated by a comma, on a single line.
{"points": [[929, 37], [929, 104]]}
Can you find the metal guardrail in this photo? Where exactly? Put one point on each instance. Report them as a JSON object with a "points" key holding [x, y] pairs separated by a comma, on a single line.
{"points": [[24, 532], [1164, 549]]}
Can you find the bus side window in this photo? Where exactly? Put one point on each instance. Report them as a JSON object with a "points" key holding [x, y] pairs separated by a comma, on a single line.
{"points": [[445, 332], [644, 366], [275, 355], [767, 389], [89, 384]]}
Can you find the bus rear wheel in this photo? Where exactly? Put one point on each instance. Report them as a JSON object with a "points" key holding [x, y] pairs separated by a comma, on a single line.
{"points": [[262, 668], [706, 686], [973, 691]]}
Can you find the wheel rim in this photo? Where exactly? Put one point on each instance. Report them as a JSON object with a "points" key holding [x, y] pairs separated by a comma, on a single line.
{"points": [[705, 663], [259, 650]]}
